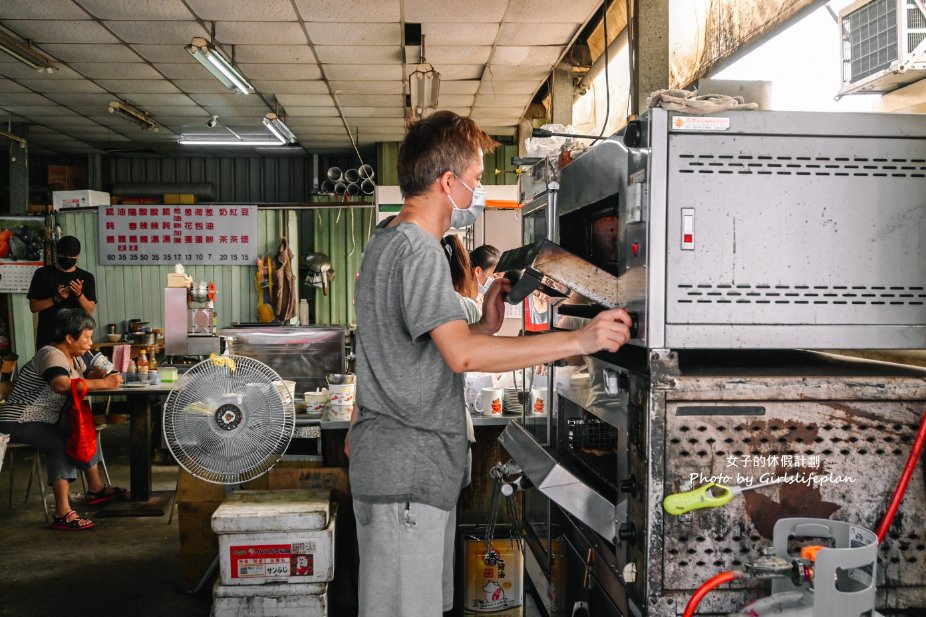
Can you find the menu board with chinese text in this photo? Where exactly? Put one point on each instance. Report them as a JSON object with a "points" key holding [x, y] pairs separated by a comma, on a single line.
{"points": [[156, 235]]}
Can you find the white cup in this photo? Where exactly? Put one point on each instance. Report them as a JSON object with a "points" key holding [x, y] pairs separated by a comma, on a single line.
{"points": [[490, 401], [340, 412], [341, 394], [473, 383], [539, 401], [316, 401]]}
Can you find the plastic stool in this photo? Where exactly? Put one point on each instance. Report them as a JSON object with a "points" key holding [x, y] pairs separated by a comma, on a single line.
{"points": [[34, 473]]}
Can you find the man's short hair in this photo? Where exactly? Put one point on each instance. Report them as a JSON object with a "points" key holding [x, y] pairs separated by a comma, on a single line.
{"points": [[444, 141], [72, 321], [68, 246]]}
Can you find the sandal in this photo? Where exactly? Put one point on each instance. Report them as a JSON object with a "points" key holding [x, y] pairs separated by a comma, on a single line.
{"points": [[92, 498], [74, 524]]}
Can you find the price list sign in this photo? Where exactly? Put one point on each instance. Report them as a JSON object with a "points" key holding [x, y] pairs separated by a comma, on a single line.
{"points": [[156, 235]]}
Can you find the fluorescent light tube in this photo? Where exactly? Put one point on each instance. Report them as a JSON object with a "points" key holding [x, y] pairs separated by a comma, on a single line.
{"points": [[230, 142], [135, 116], [218, 65], [25, 53], [278, 128]]}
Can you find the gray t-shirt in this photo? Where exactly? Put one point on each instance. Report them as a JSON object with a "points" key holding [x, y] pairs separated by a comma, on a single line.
{"points": [[409, 442]]}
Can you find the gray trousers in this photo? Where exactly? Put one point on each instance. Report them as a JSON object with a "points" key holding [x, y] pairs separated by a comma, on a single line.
{"points": [[51, 440], [406, 559]]}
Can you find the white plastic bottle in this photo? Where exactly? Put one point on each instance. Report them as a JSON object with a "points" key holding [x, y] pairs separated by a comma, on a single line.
{"points": [[303, 312]]}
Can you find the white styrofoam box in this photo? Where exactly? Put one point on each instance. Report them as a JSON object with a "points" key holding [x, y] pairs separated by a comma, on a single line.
{"points": [[284, 536], [79, 199], [270, 600], [283, 510]]}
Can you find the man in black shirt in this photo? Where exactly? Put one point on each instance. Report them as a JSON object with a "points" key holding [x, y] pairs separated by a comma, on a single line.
{"points": [[58, 287]]}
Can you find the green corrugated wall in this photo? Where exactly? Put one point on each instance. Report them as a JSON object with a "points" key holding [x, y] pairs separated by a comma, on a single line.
{"points": [[497, 161], [341, 233], [137, 292]]}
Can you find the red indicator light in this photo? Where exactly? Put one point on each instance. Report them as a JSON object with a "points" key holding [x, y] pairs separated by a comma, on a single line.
{"points": [[688, 238]]}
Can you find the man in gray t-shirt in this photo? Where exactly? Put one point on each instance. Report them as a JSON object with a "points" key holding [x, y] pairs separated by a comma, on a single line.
{"points": [[407, 442]]}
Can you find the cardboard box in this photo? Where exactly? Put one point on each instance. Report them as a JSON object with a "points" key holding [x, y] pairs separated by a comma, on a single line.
{"points": [[176, 280], [79, 199], [67, 177], [179, 199]]}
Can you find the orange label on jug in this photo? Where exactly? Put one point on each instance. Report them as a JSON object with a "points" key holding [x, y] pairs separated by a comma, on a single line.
{"points": [[494, 582]]}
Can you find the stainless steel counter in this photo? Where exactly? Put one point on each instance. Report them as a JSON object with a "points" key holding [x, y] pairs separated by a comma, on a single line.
{"points": [[326, 423]]}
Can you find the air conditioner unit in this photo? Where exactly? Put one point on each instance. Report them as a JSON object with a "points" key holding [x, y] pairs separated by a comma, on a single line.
{"points": [[883, 45]]}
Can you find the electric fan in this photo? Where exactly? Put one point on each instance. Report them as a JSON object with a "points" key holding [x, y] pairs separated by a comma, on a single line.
{"points": [[229, 419]]}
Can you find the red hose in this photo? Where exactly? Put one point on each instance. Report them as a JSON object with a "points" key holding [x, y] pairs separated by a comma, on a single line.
{"points": [[904, 481], [711, 584]]}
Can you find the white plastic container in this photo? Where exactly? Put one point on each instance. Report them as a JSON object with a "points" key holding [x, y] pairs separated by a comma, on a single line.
{"points": [[62, 200], [284, 536], [303, 600]]}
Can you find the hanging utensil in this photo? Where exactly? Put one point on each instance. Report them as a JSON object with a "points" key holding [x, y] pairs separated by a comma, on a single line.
{"points": [[710, 495], [320, 272]]}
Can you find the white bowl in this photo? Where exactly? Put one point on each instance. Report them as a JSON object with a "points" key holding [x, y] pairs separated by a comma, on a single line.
{"points": [[114, 338]]}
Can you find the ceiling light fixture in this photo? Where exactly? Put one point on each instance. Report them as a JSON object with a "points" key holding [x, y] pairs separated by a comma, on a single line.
{"points": [[135, 116], [423, 87], [185, 141], [279, 129], [26, 53], [217, 64]]}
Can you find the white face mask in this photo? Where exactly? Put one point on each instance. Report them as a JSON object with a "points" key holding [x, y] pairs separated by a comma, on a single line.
{"points": [[483, 288], [464, 217]]}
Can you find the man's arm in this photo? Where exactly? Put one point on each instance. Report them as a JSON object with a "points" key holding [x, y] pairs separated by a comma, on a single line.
{"points": [[40, 305], [77, 290], [353, 418], [464, 349]]}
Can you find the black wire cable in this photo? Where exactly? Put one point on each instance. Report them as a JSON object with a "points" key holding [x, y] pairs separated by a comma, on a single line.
{"points": [[607, 83]]}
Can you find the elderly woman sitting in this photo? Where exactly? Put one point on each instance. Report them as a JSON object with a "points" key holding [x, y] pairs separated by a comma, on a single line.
{"points": [[36, 412]]}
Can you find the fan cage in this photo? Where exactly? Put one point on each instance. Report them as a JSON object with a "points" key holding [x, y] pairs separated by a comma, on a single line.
{"points": [[229, 420]]}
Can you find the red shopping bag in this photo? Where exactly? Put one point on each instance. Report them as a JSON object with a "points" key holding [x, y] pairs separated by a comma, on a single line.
{"points": [[81, 444]]}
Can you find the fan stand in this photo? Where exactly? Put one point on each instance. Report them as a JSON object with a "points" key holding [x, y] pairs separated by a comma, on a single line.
{"points": [[219, 397], [213, 566]]}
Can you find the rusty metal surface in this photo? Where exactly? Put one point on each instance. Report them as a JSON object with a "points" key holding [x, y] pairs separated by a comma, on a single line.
{"points": [[861, 448], [706, 33]]}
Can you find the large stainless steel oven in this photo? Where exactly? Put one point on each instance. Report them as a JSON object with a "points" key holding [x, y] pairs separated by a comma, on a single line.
{"points": [[751, 229], [733, 240]]}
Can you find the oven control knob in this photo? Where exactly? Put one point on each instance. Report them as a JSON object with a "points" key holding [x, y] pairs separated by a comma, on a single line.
{"points": [[634, 325], [626, 532], [628, 486], [632, 134]]}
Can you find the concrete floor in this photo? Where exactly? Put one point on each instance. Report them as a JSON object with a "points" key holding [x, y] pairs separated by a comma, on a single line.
{"points": [[123, 566]]}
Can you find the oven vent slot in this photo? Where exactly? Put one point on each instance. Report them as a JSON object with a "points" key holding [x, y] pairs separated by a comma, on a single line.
{"points": [[593, 444], [706, 293], [801, 165]]}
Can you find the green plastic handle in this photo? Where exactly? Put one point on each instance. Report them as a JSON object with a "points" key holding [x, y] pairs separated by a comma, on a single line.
{"points": [[701, 497]]}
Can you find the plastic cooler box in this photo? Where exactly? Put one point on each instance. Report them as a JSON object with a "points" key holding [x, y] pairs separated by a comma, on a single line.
{"points": [[284, 536], [282, 600]]}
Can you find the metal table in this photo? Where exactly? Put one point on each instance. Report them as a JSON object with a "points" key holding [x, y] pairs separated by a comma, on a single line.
{"points": [[142, 500]]}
